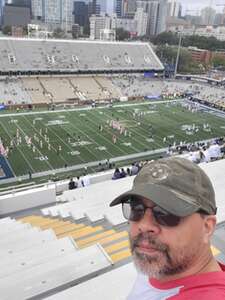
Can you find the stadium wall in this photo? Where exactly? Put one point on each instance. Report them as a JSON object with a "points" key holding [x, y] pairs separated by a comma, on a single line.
{"points": [[19, 201]]}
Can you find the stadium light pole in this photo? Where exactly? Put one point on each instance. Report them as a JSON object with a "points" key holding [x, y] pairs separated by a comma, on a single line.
{"points": [[66, 14], [178, 55]]}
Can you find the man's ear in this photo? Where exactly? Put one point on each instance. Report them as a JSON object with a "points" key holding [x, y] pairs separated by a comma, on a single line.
{"points": [[209, 227]]}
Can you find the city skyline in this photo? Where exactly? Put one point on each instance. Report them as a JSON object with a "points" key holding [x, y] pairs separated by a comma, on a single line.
{"points": [[195, 8]]}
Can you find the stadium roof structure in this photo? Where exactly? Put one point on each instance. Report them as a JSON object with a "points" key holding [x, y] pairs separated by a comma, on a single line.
{"points": [[35, 56]]}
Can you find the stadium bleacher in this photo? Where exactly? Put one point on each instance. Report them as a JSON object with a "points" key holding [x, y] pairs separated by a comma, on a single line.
{"points": [[12, 92], [105, 286], [74, 56], [79, 249]]}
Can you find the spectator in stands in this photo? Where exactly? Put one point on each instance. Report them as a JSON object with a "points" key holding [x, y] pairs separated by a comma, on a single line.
{"points": [[202, 157], [206, 153], [79, 182], [116, 174], [86, 180], [128, 171], [72, 184], [194, 157], [222, 149], [171, 209], [134, 169], [214, 151], [123, 173]]}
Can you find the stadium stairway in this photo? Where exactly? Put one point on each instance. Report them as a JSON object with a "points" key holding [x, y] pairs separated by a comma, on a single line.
{"points": [[35, 266], [114, 241]]}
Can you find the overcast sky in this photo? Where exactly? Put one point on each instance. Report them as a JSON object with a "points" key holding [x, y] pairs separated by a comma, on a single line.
{"points": [[199, 4]]}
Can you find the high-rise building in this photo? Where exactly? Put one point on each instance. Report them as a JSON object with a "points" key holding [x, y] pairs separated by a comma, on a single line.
{"points": [[81, 16], [141, 18], [128, 24], [103, 6], [2, 3], [23, 3], [161, 18], [37, 7], [174, 9], [129, 7], [119, 4], [94, 3], [54, 13], [110, 7], [99, 24], [157, 13], [15, 15], [208, 16], [93, 8], [219, 19], [80, 13]]}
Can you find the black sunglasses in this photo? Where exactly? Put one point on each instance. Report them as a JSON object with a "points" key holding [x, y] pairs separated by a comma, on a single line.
{"points": [[134, 210]]}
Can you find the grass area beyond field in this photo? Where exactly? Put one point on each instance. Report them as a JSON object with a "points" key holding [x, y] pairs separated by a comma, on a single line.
{"points": [[48, 141]]}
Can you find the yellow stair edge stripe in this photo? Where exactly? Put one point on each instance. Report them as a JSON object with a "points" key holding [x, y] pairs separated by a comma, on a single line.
{"points": [[95, 239], [118, 256], [41, 221], [28, 218], [118, 246], [67, 228], [82, 232], [79, 230], [56, 224], [114, 237], [77, 235]]}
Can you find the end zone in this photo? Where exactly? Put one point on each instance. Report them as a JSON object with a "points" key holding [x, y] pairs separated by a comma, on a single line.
{"points": [[5, 169]]}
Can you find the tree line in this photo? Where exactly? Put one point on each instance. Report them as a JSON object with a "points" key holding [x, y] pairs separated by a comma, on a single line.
{"points": [[201, 42]]}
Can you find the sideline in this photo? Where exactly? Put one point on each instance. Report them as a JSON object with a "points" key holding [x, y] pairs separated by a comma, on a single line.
{"points": [[87, 108]]}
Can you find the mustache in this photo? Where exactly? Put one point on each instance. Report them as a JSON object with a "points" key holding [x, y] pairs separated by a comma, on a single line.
{"points": [[152, 242]]}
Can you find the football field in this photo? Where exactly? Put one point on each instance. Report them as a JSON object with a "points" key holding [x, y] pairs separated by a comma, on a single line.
{"points": [[42, 141]]}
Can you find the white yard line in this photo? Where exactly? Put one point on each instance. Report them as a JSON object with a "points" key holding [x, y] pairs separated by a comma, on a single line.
{"points": [[89, 138], [55, 135], [27, 161], [41, 154], [109, 140]]}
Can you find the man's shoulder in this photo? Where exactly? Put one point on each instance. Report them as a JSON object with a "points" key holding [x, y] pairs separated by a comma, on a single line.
{"points": [[203, 294], [205, 286]]}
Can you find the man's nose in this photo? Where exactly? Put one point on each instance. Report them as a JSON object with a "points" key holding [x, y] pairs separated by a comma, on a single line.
{"points": [[148, 223]]}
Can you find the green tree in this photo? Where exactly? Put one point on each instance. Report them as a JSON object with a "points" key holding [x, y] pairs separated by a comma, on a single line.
{"points": [[165, 38], [25, 31], [168, 55], [122, 34], [170, 38], [218, 61], [58, 33], [7, 30]]}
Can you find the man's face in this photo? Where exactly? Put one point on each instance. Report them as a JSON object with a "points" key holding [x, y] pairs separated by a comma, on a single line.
{"points": [[161, 251]]}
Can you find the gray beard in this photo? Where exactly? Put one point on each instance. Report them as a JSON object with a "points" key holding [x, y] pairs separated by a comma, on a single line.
{"points": [[161, 264]]}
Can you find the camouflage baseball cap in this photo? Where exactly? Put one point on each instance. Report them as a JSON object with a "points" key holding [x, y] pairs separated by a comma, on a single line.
{"points": [[175, 184]]}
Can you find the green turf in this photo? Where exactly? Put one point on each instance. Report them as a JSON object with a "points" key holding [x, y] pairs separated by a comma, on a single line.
{"points": [[160, 120]]}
